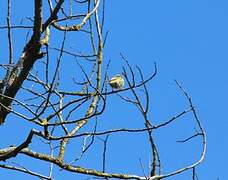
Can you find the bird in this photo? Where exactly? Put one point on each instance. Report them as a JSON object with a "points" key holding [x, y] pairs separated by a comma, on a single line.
{"points": [[116, 82]]}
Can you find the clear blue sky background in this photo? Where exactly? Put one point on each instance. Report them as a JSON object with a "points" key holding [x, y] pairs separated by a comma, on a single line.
{"points": [[188, 40]]}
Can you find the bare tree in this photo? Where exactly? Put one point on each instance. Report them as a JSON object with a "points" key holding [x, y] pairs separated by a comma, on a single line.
{"points": [[62, 105]]}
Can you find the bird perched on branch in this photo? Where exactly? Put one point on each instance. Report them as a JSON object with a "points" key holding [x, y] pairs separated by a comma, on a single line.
{"points": [[116, 82]]}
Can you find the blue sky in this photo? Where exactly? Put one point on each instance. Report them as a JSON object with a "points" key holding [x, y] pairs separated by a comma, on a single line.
{"points": [[188, 40]]}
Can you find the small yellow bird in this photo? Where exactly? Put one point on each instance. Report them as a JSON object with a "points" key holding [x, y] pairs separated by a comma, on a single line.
{"points": [[116, 82]]}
